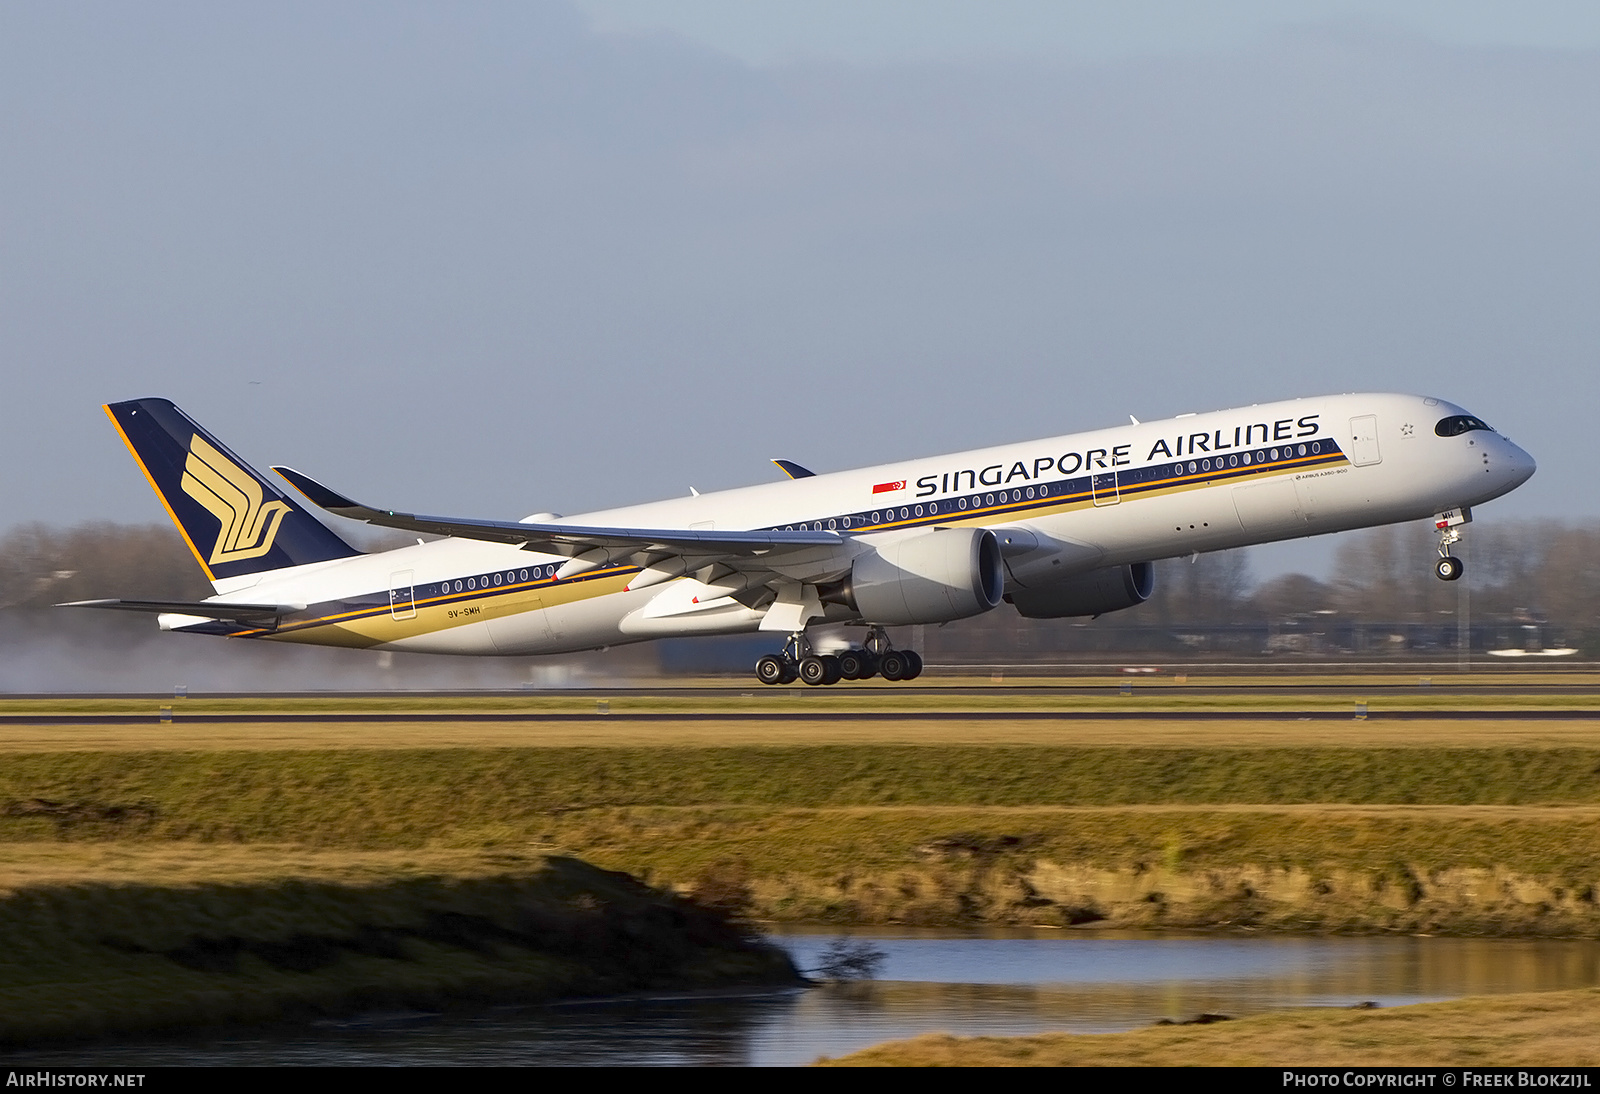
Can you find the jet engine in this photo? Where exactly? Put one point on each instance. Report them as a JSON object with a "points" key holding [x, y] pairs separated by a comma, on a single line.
{"points": [[945, 574], [1099, 591]]}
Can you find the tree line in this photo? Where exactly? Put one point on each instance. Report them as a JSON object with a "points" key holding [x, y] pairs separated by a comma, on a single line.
{"points": [[1543, 575]]}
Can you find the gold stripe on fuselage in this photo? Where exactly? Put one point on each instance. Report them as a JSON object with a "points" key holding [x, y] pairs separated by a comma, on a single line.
{"points": [[372, 626]]}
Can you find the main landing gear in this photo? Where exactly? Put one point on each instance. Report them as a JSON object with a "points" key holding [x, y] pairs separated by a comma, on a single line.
{"points": [[1449, 523], [799, 661]]}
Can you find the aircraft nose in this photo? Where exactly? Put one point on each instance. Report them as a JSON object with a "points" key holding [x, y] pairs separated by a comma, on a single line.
{"points": [[1519, 465]]}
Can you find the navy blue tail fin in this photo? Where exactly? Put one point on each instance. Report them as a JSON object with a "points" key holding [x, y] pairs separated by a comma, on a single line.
{"points": [[235, 521]]}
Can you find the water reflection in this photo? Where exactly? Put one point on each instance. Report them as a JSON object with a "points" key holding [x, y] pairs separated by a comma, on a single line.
{"points": [[995, 983], [1254, 972]]}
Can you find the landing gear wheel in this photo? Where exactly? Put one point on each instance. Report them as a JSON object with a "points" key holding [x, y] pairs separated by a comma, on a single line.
{"points": [[816, 670], [772, 669], [895, 665], [857, 665], [914, 669], [1449, 568]]}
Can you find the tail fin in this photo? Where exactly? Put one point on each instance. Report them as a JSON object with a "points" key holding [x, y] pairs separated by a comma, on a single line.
{"points": [[235, 521]]}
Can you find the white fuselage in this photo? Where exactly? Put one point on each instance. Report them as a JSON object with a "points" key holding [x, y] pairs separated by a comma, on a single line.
{"points": [[1129, 494]]}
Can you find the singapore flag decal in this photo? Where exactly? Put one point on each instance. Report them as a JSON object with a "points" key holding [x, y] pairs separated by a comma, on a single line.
{"points": [[889, 487]]}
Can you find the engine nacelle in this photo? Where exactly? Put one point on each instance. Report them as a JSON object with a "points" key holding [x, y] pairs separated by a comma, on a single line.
{"points": [[1094, 593], [945, 574]]}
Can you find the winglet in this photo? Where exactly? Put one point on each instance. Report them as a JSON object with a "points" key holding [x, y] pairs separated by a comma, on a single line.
{"points": [[794, 470], [318, 494]]}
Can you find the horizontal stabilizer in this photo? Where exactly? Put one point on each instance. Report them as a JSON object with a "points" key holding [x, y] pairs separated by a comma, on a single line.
{"points": [[566, 539], [210, 609]]}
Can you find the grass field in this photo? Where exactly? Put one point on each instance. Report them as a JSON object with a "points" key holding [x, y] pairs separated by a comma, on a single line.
{"points": [[1481, 826], [598, 731]]}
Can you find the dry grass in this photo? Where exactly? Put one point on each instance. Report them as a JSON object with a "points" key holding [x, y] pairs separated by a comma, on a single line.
{"points": [[179, 864], [390, 798], [1547, 1029], [710, 732], [1480, 870]]}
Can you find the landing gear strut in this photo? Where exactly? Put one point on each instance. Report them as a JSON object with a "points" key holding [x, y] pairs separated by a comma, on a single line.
{"points": [[1448, 523], [798, 661], [894, 664]]}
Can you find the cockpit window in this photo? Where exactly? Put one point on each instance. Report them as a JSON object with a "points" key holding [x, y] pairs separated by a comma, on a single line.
{"points": [[1459, 424]]}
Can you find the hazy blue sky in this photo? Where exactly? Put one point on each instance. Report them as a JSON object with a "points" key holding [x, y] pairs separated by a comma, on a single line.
{"points": [[902, 30], [487, 259]]}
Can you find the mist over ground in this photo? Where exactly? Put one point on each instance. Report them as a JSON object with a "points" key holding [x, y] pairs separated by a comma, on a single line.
{"points": [[1527, 588]]}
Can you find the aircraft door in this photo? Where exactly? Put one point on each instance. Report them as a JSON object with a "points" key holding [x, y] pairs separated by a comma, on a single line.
{"points": [[402, 595], [1364, 440], [540, 617], [1103, 487]]}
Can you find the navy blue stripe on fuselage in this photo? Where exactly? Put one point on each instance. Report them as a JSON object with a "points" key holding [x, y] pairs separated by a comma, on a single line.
{"points": [[1112, 483]]}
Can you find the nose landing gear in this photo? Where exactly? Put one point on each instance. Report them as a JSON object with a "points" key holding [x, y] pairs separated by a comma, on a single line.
{"points": [[1449, 523]]}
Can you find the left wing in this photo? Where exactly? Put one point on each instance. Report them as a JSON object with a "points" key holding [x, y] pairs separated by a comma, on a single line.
{"points": [[662, 553]]}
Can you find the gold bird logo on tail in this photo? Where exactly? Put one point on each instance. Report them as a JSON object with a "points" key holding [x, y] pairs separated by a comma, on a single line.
{"points": [[233, 496]]}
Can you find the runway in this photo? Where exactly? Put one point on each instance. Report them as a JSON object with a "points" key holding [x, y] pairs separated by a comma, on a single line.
{"points": [[1334, 711], [1008, 688]]}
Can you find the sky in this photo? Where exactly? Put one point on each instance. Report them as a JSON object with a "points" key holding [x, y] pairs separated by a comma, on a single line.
{"points": [[489, 259]]}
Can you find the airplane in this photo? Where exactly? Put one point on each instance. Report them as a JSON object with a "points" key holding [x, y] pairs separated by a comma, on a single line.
{"points": [[1067, 527]]}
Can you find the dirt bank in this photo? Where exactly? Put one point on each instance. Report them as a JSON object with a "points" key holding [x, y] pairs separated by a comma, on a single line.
{"points": [[91, 960]]}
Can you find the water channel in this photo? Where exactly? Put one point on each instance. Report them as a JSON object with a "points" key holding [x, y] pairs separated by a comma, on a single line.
{"points": [[990, 983]]}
